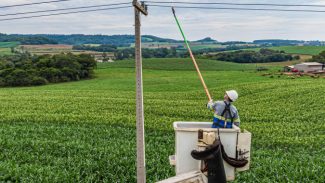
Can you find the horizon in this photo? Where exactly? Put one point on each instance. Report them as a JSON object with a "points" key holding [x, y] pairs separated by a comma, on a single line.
{"points": [[164, 37]]}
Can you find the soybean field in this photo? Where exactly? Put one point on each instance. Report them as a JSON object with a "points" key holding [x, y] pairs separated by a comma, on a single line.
{"points": [[304, 50], [85, 131]]}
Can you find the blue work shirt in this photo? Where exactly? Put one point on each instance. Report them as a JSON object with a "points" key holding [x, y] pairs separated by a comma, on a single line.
{"points": [[218, 120]]}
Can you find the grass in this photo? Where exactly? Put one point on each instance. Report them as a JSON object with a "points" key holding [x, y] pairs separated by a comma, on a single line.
{"points": [[85, 131], [302, 50], [180, 64], [8, 44], [5, 47], [305, 50], [5, 51]]}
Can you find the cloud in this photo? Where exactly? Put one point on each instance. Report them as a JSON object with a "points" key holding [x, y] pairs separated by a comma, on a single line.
{"points": [[222, 25]]}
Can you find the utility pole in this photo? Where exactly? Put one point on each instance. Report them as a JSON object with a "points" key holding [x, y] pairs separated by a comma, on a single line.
{"points": [[141, 164]]}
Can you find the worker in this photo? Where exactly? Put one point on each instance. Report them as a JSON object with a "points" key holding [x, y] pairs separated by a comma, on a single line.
{"points": [[225, 114]]}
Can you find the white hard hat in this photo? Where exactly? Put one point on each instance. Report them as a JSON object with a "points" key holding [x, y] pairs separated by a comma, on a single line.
{"points": [[232, 94]]}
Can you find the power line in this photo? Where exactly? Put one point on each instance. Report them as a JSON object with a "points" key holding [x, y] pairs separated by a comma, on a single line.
{"points": [[65, 13], [62, 9], [28, 4], [238, 4], [249, 9]]}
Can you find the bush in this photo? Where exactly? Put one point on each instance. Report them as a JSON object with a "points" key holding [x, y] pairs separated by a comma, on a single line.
{"points": [[65, 79], [26, 70], [36, 81], [2, 82], [19, 77], [247, 56], [262, 69]]}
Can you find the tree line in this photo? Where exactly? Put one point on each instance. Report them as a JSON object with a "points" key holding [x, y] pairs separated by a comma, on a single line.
{"points": [[26, 39], [128, 53], [318, 58], [249, 56], [173, 52], [27, 70], [100, 48]]}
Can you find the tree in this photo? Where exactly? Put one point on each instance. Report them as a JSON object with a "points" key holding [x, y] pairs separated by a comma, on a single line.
{"points": [[318, 58], [26, 70], [105, 58]]}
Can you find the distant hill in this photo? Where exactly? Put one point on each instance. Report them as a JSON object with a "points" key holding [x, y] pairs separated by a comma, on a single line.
{"points": [[127, 40], [26, 39], [118, 40], [78, 39], [149, 38], [207, 40]]}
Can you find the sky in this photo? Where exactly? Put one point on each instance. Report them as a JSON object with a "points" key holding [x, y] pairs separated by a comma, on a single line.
{"points": [[222, 25]]}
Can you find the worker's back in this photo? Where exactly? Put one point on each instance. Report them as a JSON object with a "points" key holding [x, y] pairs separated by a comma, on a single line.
{"points": [[224, 111]]}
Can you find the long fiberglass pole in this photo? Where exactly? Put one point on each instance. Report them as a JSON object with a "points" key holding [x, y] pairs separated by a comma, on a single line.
{"points": [[192, 57]]}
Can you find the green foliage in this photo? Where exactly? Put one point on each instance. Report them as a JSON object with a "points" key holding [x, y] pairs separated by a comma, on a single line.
{"points": [[36, 81], [26, 39], [100, 48], [85, 131], [318, 58], [148, 53], [117, 40], [26, 70], [247, 56]]}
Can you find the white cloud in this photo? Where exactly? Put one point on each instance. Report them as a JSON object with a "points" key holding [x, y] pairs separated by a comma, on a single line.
{"points": [[220, 24]]}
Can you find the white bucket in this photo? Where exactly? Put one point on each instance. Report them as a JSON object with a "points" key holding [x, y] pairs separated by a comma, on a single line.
{"points": [[187, 138]]}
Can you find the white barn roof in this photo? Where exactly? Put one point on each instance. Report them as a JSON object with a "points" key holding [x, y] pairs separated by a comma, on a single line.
{"points": [[311, 64]]}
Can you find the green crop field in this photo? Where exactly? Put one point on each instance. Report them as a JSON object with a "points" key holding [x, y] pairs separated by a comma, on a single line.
{"points": [[301, 50], [8, 44], [5, 51], [304, 50], [5, 47], [85, 131], [180, 64]]}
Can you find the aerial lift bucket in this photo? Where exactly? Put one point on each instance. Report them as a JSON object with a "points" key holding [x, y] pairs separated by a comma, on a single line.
{"points": [[235, 142]]}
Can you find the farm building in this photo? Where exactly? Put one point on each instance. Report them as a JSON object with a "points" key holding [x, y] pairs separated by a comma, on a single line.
{"points": [[309, 66]]}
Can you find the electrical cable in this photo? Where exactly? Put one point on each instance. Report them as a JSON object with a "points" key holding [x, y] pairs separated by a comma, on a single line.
{"points": [[28, 4], [250, 9], [73, 12], [63, 9], [238, 4]]}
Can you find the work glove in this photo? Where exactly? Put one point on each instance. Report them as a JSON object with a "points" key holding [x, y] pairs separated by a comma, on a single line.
{"points": [[210, 104]]}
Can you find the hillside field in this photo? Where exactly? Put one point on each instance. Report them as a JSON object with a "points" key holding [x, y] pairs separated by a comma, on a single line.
{"points": [[300, 50], [85, 131], [8, 44], [5, 47], [304, 50]]}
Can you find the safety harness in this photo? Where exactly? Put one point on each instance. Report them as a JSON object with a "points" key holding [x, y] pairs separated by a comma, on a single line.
{"points": [[218, 123], [227, 109]]}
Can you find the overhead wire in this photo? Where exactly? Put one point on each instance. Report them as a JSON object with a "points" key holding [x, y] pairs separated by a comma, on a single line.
{"points": [[64, 13], [36, 3], [62, 9], [179, 4], [236, 4], [231, 8]]}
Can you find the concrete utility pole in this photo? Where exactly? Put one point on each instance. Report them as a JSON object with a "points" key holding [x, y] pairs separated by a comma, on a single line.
{"points": [[141, 164]]}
